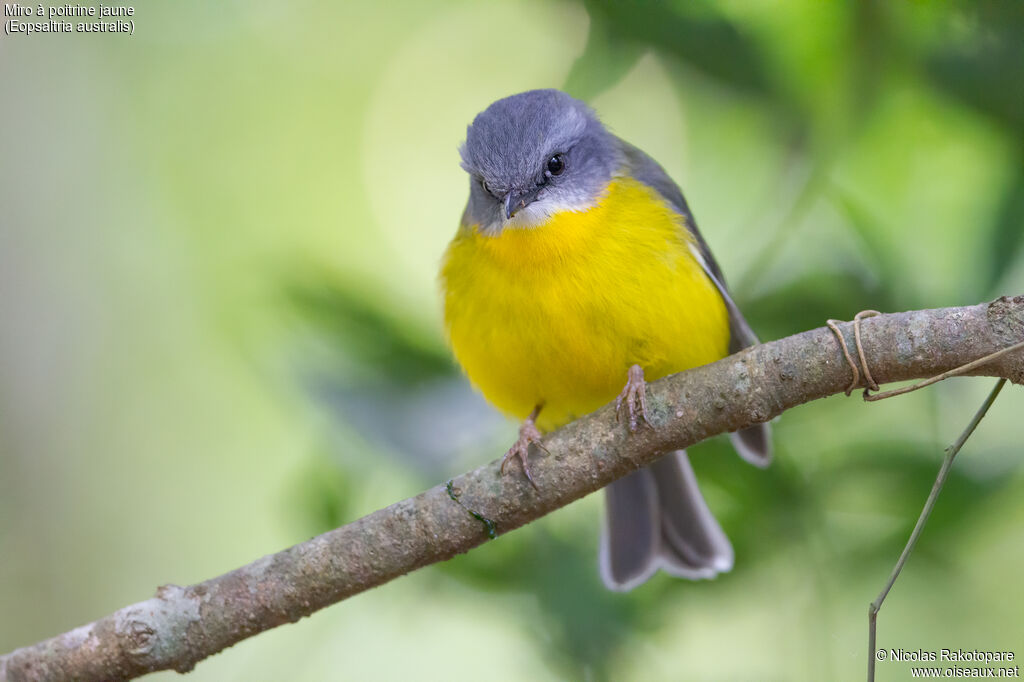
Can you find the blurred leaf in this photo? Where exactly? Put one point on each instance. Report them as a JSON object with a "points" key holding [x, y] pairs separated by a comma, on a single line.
{"points": [[1007, 239], [886, 263], [986, 73], [693, 31], [584, 627], [604, 62], [368, 334], [909, 469], [807, 302], [872, 48], [428, 426], [320, 496], [400, 391]]}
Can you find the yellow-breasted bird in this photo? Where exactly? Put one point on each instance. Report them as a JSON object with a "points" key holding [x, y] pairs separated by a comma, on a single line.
{"points": [[578, 267]]}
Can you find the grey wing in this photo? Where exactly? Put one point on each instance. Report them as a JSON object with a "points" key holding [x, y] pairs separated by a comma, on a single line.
{"points": [[752, 443]]}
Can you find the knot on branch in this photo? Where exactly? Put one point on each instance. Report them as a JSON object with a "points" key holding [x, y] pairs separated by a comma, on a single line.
{"points": [[137, 636], [154, 634]]}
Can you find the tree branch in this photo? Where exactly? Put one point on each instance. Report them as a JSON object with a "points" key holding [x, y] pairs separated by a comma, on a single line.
{"points": [[183, 625]]}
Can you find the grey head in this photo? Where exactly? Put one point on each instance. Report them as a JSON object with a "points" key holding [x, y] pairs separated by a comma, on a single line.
{"points": [[532, 155]]}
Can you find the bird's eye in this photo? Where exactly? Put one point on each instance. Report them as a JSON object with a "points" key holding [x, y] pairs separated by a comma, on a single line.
{"points": [[483, 183], [556, 164]]}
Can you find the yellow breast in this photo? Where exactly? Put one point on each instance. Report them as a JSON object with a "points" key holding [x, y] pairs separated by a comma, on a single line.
{"points": [[557, 313]]}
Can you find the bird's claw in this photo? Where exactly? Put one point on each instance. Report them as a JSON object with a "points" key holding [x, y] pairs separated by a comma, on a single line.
{"points": [[528, 433], [633, 394]]}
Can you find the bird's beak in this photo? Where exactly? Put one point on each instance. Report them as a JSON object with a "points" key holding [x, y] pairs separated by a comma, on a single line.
{"points": [[516, 200]]}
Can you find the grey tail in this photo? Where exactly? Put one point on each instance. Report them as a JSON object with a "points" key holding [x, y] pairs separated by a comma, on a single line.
{"points": [[657, 518], [754, 444]]}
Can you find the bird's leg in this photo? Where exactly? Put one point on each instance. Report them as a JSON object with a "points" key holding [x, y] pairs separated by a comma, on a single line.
{"points": [[634, 394], [528, 433]]}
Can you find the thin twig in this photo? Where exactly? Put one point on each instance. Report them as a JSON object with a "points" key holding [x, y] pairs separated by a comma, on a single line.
{"points": [[933, 496], [963, 369]]}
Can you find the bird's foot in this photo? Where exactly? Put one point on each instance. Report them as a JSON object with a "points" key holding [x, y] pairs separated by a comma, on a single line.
{"points": [[528, 433], [633, 396]]}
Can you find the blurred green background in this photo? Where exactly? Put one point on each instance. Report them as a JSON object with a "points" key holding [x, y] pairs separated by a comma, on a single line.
{"points": [[220, 329]]}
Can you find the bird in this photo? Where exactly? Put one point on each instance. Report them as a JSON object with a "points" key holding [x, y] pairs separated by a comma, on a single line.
{"points": [[576, 275]]}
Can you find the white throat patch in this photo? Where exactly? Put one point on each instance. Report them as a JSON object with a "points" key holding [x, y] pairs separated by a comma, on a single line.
{"points": [[535, 215]]}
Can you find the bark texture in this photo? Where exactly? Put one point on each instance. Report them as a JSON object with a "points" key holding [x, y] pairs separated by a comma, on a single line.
{"points": [[180, 626]]}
